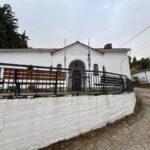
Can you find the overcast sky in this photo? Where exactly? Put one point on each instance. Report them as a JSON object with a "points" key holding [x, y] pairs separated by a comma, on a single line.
{"points": [[49, 22]]}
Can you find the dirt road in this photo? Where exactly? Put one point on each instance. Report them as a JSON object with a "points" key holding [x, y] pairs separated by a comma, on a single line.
{"points": [[130, 134]]}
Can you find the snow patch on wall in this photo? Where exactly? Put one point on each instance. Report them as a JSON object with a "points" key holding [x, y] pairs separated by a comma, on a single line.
{"points": [[35, 123]]}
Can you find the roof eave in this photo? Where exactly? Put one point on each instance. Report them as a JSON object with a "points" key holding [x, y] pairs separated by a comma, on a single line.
{"points": [[77, 43], [26, 50], [116, 50]]}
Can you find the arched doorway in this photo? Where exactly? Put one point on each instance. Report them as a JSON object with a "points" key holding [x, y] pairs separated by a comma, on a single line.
{"points": [[76, 74]]}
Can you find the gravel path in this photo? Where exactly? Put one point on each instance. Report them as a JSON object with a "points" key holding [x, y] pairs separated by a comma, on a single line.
{"points": [[130, 134]]}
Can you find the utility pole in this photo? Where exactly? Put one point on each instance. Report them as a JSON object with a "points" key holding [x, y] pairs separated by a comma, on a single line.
{"points": [[65, 59], [89, 55]]}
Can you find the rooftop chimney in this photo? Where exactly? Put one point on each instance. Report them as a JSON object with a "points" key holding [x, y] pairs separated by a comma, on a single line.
{"points": [[108, 46]]}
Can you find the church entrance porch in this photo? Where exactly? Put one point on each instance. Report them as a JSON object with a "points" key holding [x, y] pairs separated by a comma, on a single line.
{"points": [[76, 75]]}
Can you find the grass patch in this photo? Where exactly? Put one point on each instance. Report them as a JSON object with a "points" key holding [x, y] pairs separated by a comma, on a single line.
{"points": [[139, 105], [146, 85]]}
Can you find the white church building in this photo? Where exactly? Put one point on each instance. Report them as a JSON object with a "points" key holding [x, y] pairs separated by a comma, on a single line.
{"points": [[52, 104], [114, 60]]}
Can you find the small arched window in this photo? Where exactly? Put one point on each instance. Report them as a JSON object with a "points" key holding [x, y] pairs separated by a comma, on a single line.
{"points": [[95, 67], [59, 67]]}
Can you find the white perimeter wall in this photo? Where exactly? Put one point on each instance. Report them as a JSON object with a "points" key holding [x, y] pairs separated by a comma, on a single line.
{"points": [[143, 77], [33, 123]]}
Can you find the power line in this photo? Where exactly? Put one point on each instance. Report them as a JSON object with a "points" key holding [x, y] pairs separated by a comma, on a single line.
{"points": [[135, 36], [139, 49]]}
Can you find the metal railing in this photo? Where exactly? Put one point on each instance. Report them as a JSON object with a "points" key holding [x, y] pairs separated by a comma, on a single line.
{"points": [[26, 80]]}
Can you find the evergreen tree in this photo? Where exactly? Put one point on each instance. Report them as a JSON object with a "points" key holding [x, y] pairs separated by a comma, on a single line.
{"points": [[9, 36], [130, 61], [143, 63], [134, 62]]}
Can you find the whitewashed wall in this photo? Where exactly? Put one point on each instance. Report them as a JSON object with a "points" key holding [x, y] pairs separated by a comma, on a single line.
{"points": [[143, 77], [117, 62], [77, 52], [148, 76], [34, 123], [114, 61], [26, 57]]}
